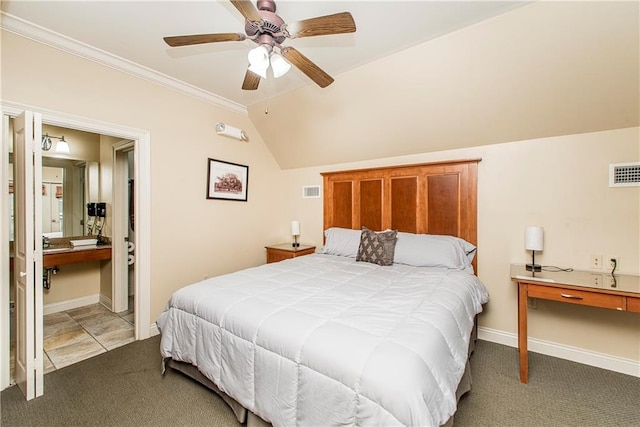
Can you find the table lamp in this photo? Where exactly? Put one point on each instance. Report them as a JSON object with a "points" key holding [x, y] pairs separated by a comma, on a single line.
{"points": [[295, 231], [533, 241]]}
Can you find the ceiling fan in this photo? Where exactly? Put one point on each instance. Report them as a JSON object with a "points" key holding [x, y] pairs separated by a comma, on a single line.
{"points": [[269, 31]]}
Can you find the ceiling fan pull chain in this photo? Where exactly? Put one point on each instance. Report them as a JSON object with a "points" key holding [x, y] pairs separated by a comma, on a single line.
{"points": [[266, 100]]}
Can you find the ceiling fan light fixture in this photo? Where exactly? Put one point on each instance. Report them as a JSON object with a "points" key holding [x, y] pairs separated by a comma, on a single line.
{"points": [[279, 65], [268, 31], [259, 57], [259, 70]]}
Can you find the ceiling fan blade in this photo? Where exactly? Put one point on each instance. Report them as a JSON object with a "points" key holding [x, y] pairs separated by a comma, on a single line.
{"points": [[251, 81], [203, 38], [339, 23], [247, 9], [305, 65]]}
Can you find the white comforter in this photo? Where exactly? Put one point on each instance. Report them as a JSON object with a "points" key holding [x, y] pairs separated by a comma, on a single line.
{"points": [[325, 340]]}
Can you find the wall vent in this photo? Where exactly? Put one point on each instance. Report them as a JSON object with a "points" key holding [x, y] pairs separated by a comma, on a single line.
{"points": [[624, 174], [311, 192]]}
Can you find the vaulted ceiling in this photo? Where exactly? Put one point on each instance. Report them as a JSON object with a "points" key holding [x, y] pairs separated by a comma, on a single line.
{"points": [[134, 31], [415, 77]]}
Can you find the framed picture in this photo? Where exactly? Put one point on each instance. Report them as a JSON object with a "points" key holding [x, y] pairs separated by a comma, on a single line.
{"points": [[227, 181]]}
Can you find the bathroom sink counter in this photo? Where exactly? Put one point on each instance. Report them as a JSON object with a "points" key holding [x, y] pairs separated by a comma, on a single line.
{"points": [[60, 252]]}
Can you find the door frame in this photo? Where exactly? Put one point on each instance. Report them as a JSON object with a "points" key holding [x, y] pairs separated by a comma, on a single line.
{"points": [[120, 223], [144, 328]]}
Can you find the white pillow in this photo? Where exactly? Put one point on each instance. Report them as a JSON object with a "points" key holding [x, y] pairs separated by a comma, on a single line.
{"points": [[430, 250], [341, 242]]}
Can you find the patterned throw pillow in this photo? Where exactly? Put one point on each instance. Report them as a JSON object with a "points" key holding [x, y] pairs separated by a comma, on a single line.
{"points": [[377, 248]]}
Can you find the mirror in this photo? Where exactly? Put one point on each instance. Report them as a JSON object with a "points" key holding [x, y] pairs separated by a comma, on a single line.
{"points": [[69, 182], [52, 202], [67, 186]]}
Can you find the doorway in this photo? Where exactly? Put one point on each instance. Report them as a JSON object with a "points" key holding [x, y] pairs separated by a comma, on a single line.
{"points": [[141, 154]]}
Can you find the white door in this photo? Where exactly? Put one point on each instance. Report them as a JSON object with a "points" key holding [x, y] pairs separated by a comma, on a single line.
{"points": [[29, 373]]}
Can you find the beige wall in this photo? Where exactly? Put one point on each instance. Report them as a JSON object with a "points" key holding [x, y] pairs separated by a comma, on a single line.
{"points": [[73, 281], [559, 183], [191, 236]]}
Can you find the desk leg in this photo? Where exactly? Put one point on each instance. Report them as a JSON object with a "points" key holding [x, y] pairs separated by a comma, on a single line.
{"points": [[522, 332]]}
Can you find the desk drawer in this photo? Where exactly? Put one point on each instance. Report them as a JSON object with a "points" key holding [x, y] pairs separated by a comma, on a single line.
{"points": [[633, 304], [573, 296]]}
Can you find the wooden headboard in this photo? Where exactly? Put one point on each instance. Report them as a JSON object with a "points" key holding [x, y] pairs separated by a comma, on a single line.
{"points": [[433, 198]]}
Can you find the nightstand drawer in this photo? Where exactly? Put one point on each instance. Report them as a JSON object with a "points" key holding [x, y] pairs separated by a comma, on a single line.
{"points": [[573, 296], [282, 251]]}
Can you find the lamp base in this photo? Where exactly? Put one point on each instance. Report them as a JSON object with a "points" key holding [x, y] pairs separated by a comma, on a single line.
{"points": [[533, 267]]}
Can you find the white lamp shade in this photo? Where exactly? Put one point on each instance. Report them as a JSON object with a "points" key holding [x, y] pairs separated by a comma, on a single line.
{"points": [[62, 147], [279, 65], [259, 57], [534, 238], [295, 228], [259, 70]]}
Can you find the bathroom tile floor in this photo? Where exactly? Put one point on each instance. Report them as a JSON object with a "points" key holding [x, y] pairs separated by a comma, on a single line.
{"points": [[78, 334]]}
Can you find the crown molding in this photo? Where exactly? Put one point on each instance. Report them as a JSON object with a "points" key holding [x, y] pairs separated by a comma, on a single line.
{"points": [[45, 36]]}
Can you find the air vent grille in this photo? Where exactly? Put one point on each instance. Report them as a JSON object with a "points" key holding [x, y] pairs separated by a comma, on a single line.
{"points": [[311, 192], [624, 174]]}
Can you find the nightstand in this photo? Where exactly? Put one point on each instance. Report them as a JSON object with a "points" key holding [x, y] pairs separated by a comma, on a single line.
{"points": [[284, 251]]}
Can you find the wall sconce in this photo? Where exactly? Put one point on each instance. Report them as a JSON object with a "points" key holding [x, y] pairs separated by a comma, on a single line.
{"points": [[61, 146], [533, 241], [295, 232], [231, 132]]}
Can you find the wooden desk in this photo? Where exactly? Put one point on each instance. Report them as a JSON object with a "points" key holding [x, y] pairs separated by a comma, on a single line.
{"points": [[595, 289]]}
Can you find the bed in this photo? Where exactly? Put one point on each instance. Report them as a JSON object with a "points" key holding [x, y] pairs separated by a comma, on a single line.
{"points": [[376, 329]]}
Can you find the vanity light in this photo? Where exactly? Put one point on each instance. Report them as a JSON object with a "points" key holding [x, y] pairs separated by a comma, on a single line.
{"points": [[533, 241], [62, 146]]}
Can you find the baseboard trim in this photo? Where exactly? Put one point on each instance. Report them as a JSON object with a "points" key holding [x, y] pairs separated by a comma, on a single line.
{"points": [[566, 352], [104, 300], [57, 307], [153, 330]]}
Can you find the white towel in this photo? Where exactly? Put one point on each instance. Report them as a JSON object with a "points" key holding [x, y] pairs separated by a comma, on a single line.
{"points": [[84, 242]]}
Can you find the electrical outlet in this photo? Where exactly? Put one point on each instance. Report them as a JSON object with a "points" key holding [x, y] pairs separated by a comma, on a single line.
{"points": [[613, 262], [596, 280], [596, 261]]}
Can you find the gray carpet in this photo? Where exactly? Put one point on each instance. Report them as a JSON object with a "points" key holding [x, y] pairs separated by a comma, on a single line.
{"points": [[124, 388]]}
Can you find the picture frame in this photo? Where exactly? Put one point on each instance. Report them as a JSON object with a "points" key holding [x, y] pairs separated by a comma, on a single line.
{"points": [[227, 181]]}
